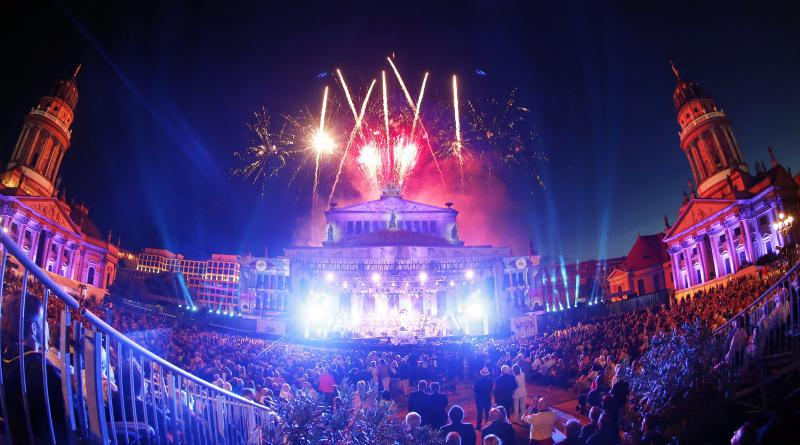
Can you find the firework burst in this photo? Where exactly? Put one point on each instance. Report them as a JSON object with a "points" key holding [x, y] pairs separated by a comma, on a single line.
{"points": [[389, 137]]}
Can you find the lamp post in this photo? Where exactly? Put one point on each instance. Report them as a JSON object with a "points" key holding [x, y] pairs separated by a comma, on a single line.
{"points": [[783, 224]]}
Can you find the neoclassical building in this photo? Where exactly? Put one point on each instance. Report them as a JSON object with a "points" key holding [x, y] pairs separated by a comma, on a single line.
{"points": [[59, 236], [728, 220], [393, 265]]}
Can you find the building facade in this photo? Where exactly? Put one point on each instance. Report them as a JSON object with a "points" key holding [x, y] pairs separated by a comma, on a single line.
{"points": [[393, 267], [646, 269], [59, 236], [728, 217]]}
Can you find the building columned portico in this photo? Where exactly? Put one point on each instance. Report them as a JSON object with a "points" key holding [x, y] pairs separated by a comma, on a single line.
{"points": [[729, 220]]}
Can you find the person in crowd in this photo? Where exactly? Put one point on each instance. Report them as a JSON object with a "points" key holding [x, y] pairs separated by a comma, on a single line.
{"points": [[404, 374], [412, 421], [456, 424], [650, 433], [384, 374], [499, 427], [36, 397], [572, 431], [607, 432], [542, 422], [483, 395], [520, 393], [419, 401], [504, 387], [438, 406], [491, 439], [452, 438], [591, 427], [327, 384]]}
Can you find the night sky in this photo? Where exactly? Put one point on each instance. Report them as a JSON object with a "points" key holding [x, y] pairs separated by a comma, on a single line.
{"points": [[166, 91]]}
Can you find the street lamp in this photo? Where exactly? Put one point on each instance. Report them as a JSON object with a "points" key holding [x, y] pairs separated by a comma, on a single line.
{"points": [[783, 224]]}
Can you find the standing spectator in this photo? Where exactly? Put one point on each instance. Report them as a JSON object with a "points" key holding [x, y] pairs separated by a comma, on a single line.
{"points": [[465, 430], [404, 374], [591, 427], [419, 401], [606, 433], [520, 393], [384, 374], [327, 385], [33, 321], [504, 387], [483, 395], [542, 423], [499, 427], [438, 407]]}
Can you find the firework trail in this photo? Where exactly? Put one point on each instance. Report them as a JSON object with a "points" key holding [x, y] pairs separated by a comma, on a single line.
{"points": [[388, 142]]}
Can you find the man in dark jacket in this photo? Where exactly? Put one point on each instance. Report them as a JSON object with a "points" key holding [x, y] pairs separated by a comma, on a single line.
{"points": [[504, 388], [483, 395], [438, 407], [33, 330], [465, 430], [419, 402], [500, 428]]}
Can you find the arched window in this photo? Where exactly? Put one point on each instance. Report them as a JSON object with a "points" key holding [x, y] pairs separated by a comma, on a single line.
{"points": [[90, 275]]}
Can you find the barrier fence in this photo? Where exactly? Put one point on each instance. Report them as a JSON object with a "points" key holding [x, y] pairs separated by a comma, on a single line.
{"points": [[767, 330], [71, 378]]}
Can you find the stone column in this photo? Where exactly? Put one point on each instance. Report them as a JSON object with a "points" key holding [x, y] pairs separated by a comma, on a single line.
{"points": [[776, 237], [687, 260], [701, 249], [718, 266], [35, 243], [676, 273], [748, 242], [731, 249]]}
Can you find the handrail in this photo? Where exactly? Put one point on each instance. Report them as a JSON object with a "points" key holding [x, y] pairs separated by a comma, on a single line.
{"points": [[757, 300], [104, 327]]}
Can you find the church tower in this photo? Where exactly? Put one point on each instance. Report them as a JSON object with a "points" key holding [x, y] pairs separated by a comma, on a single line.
{"points": [[708, 142], [45, 136]]}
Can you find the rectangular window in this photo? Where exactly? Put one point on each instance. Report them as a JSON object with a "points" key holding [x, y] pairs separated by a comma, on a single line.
{"points": [[349, 226]]}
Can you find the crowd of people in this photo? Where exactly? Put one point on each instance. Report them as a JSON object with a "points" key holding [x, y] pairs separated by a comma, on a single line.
{"points": [[591, 358]]}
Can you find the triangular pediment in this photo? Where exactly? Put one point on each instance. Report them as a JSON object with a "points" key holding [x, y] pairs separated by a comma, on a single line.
{"points": [[696, 211], [616, 274], [50, 209], [390, 204]]}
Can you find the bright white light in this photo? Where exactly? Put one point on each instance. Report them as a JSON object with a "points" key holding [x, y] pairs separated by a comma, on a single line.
{"points": [[423, 277], [313, 313], [469, 274], [376, 277], [345, 284], [322, 142], [452, 283], [180, 305], [218, 312], [475, 310], [329, 277]]}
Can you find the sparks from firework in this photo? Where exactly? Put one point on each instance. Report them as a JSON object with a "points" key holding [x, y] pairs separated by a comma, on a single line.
{"points": [[393, 154]]}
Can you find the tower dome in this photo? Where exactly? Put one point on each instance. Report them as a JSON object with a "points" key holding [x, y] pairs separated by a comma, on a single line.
{"points": [[67, 90]]}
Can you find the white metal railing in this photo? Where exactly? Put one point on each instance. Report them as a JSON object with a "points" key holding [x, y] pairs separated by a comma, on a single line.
{"points": [[767, 329], [75, 379]]}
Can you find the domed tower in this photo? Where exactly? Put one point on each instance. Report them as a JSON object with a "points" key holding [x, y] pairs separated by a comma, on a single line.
{"points": [[45, 136], [708, 142]]}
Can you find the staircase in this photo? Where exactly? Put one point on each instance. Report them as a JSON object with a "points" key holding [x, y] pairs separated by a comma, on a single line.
{"points": [[71, 378], [760, 347]]}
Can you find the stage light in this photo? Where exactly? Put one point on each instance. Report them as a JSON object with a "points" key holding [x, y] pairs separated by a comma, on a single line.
{"points": [[376, 277], [452, 283], [230, 314], [469, 274], [475, 309], [423, 277], [180, 306], [345, 284], [218, 312], [329, 277], [313, 313]]}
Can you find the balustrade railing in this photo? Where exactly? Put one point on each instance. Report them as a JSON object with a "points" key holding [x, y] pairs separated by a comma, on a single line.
{"points": [[767, 329], [69, 377]]}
